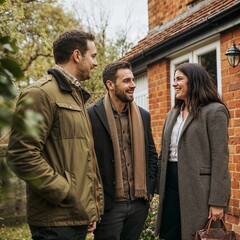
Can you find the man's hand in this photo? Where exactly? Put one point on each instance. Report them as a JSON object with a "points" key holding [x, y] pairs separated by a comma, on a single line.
{"points": [[91, 227]]}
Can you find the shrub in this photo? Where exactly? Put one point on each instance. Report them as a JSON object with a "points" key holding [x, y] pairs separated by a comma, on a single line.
{"points": [[149, 227]]}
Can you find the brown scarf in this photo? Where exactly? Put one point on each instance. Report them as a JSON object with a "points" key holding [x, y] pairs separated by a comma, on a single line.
{"points": [[138, 149]]}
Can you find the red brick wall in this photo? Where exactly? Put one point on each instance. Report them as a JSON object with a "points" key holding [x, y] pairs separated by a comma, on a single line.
{"points": [[231, 95], [162, 11], [159, 97]]}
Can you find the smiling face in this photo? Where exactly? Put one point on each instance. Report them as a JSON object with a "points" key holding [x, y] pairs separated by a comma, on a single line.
{"points": [[181, 86], [122, 89]]}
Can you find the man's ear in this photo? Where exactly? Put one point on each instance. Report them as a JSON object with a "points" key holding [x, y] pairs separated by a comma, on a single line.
{"points": [[110, 85], [77, 56]]}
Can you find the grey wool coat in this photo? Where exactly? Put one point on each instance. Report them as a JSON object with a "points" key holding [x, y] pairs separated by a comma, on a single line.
{"points": [[203, 174]]}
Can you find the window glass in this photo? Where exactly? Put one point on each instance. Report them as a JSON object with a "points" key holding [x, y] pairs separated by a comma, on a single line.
{"points": [[209, 62], [141, 91]]}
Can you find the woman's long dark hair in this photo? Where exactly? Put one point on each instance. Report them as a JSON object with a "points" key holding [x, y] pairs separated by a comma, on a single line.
{"points": [[201, 90]]}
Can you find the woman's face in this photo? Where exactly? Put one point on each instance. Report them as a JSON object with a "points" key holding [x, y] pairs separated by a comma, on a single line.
{"points": [[181, 86]]}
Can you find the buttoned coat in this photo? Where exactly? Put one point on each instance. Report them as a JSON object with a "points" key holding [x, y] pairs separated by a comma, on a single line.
{"points": [[105, 156], [203, 174]]}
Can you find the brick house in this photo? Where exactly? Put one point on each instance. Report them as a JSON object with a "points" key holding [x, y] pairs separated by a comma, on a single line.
{"points": [[197, 31]]}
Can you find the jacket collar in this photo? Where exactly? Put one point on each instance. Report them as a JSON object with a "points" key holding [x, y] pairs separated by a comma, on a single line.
{"points": [[64, 85]]}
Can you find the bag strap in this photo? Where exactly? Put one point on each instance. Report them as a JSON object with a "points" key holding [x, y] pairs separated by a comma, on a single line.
{"points": [[209, 223], [223, 224]]}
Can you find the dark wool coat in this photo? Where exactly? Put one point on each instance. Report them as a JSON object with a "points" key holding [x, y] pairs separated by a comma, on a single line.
{"points": [[105, 156], [203, 173]]}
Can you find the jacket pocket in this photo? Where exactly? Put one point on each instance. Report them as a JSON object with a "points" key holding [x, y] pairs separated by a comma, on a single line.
{"points": [[71, 120], [69, 200]]}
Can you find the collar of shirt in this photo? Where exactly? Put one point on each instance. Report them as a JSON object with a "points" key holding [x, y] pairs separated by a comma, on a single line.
{"points": [[124, 111], [69, 76]]}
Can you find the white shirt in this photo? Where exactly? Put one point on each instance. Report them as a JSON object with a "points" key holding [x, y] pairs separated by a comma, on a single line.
{"points": [[176, 132]]}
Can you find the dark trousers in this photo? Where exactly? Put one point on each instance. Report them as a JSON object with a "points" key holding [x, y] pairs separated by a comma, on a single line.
{"points": [[59, 233], [171, 221], [124, 222]]}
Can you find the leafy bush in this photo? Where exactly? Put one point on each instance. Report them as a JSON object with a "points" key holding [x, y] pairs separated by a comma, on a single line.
{"points": [[149, 227]]}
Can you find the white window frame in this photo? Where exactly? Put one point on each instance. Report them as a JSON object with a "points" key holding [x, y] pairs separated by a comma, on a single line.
{"points": [[141, 92], [206, 49], [192, 57]]}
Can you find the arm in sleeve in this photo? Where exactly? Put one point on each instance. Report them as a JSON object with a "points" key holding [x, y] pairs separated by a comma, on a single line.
{"points": [[157, 188], [25, 153], [218, 140], [152, 159]]}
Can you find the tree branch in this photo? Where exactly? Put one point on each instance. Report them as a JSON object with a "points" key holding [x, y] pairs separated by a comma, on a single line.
{"points": [[33, 58]]}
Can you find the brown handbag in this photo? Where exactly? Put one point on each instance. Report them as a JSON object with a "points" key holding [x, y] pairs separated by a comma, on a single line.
{"points": [[209, 233]]}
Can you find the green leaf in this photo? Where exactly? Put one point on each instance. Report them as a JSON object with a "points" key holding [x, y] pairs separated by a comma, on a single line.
{"points": [[12, 67], [7, 89], [5, 116], [2, 1], [5, 39], [7, 44], [29, 124]]}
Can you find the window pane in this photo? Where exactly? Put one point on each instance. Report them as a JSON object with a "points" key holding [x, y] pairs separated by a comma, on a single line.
{"points": [[209, 62], [141, 91]]}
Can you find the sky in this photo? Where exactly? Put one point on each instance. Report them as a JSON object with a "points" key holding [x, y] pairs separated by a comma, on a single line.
{"points": [[123, 14]]}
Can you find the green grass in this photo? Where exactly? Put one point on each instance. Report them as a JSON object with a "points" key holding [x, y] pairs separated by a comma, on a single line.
{"points": [[15, 233], [21, 232]]}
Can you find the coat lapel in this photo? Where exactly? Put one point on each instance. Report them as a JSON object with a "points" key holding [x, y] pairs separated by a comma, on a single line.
{"points": [[188, 121], [171, 119], [100, 111]]}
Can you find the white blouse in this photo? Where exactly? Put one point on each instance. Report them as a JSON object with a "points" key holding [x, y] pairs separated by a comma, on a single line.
{"points": [[176, 132]]}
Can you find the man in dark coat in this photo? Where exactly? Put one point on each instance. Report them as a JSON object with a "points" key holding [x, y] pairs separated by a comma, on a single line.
{"points": [[126, 156]]}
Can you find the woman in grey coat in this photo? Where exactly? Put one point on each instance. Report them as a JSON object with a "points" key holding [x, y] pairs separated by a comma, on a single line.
{"points": [[194, 180]]}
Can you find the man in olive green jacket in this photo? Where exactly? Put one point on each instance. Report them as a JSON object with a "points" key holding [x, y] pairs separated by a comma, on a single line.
{"points": [[64, 190]]}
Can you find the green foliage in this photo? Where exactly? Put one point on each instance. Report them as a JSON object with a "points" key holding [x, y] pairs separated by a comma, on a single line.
{"points": [[29, 123], [9, 69], [37, 24], [6, 181], [149, 227], [15, 233]]}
